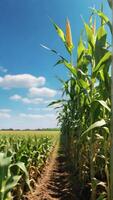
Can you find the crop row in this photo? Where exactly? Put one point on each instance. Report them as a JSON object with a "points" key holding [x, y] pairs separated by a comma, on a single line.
{"points": [[85, 113], [21, 162]]}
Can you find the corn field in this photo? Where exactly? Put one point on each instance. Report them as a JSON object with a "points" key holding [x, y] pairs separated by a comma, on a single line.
{"points": [[85, 119], [22, 159], [85, 106]]}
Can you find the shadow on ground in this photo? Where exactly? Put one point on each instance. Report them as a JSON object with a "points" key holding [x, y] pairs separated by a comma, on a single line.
{"points": [[59, 184]]}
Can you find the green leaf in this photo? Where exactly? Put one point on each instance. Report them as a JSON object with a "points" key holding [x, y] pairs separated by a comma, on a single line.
{"points": [[59, 31], [110, 2], [100, 45], [11, 183], [102, 63], [81, 72], [80, 51], [56, 102], [83, 84], [59, 62], [94, 125], [53, 51], [21, 165], [104, 104], [70, 67], [90, 35], [106, 130], [102, 196], [101, 36], [4, 164], [104, 18]]}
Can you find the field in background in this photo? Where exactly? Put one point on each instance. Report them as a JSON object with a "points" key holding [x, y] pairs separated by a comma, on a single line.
{"points": [[23, 155], [50, 134]]}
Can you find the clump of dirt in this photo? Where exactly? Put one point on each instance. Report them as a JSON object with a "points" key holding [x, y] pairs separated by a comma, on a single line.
{"points": [[54, 183]]}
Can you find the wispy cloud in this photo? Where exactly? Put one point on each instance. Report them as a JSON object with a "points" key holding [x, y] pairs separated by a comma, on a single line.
{"points": [[5, 110], [5, 113], [28, 120], [31, 116], [45, 109], [26, 100], [3, 69], [37, 116]]}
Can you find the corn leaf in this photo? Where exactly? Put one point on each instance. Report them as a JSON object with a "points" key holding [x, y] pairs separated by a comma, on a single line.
{"points": [[90, 35], [102, 63], [21, 166], [104, 18], [11, 182], [100, 45], [59, 31], [104, 104], [70, 67], [80, 51], [94, 125], [110, 2]]}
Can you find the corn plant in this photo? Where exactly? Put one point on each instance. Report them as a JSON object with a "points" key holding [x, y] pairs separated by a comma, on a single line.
{"points": [[7, 179], [86, 105], [21, 162]]}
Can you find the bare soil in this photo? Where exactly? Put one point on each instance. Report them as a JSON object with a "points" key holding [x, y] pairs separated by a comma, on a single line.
{"points": [[54, 183]]}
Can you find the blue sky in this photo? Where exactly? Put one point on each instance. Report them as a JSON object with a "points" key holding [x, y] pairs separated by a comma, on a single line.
{"points": [[27, 77]]}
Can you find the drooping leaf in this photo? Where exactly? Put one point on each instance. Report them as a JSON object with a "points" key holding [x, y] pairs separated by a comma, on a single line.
{"points": [[94, 125], [104, 104], [4, 164], [21, 166], [56, 102], [11, 182], [70, 67]]}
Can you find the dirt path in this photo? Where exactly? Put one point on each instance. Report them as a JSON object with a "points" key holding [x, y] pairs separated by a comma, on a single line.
{"points": [[54, 183]]}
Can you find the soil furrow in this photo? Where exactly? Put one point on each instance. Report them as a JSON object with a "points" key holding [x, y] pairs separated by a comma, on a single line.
{"points": [[54, 183]]}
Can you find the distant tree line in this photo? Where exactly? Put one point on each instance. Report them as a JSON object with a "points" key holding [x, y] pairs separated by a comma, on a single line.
{"points": [[39, 129]]}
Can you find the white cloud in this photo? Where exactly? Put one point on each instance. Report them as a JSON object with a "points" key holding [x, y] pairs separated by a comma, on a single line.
{"points": [[33, 109], [31, 116], [3, 69], [5, 110], [21, 81], [38, 120], [26, 100], [5, 113], [16, 97], [43, 92], [41, 109], [48, 109], [32, 101], [50, 115], [38, 116]]}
